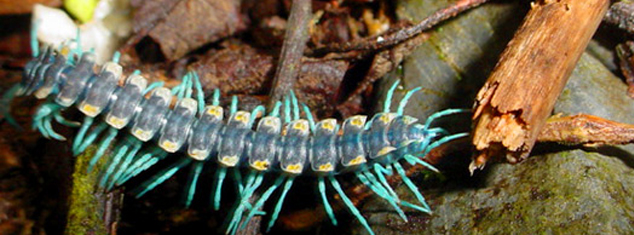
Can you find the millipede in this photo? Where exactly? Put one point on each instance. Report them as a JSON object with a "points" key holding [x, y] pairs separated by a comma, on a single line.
{"points": [[151, 122]]}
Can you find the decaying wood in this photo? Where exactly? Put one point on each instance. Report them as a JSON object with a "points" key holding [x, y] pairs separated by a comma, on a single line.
{"points": [[625, 52], [513, 105], [586, 130], [292, 50]]}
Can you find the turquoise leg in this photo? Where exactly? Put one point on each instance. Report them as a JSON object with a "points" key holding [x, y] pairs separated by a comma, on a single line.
{"points": [[403, 103], [280, 202], [91, 138], [253, 182], [49, 129], [412, 187], [276, 109], [61, 120], [78, 50], [189, 85], [295, 104], [221, 173], [197, 168], [378, 187], [265, 196], [234, 104], [215, 101], [136, 146], [137, 72], [112, 132], [5, 104], [445, 112], [160, 177], [116, 56], [388, 97], [39, 125], [309, 116], [121, 151], [350, 205], [237, 176], [444, 140], [200, 95], [413, 160], [259, 110], [324, 199], [146, 161], [436, 131], [35, 49], [153, 86], [82, 133], [380, 173], [287, 110]]}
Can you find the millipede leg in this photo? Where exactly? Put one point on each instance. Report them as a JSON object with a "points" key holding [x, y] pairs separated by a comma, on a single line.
{"points": [[324, 199], [350, 205], [280, 202], [295, 104], [276, 110], [237, 176], [5, 105], [194, 174], [216, 97], [412, 187], [309, 116], [144, 162], [287, 110], [253, 182], [152, 86], [221, 173], [79, 138], [49, 128], [265, 196], [368, 179], [388, 97], [121, 151], [234, 105], [90, 138], [161, 177], [405, 99], [444, 140], [112, 132], [380, 173], [258, 110], [61, 120], [136, 146], [413, 160], [445, 112], [200, 95]]}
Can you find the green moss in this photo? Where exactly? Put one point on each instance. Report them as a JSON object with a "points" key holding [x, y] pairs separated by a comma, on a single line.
{"points": [[86, 202]]}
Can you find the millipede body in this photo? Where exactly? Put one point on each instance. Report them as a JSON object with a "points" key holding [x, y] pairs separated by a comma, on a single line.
{"points": [[280, 142]]}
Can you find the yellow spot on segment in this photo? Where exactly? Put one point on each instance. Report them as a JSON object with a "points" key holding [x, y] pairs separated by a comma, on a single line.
{"points": [[357, 160], [326, 167], [141, 134], [261, 165], [89, 110], [242, 117], [215, 111], [229, 161], [116, 122], [300, 126], [198, 154], [294, 168], [328, 126], [168, 146], [356, 121], [386, 150], [386, 118]]}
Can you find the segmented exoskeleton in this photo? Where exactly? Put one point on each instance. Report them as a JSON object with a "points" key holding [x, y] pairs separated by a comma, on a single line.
{"points": [[282, 143]]}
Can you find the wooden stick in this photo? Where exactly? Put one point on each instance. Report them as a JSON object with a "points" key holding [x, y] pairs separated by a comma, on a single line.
{"points": [[513, 105]]}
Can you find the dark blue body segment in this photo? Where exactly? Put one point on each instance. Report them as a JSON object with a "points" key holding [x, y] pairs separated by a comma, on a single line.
{"points": [[53, 77], [76, 80], [294, 151], [378, 142], [263, 143], [324, 157], [205, 133], [232, 142], [180, 119], [100, 90], [351, 148], [29, 78], [152, 115], [125, 100]]}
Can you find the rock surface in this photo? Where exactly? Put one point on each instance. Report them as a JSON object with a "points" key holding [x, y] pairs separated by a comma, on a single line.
{"points": [[560, 189]]}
